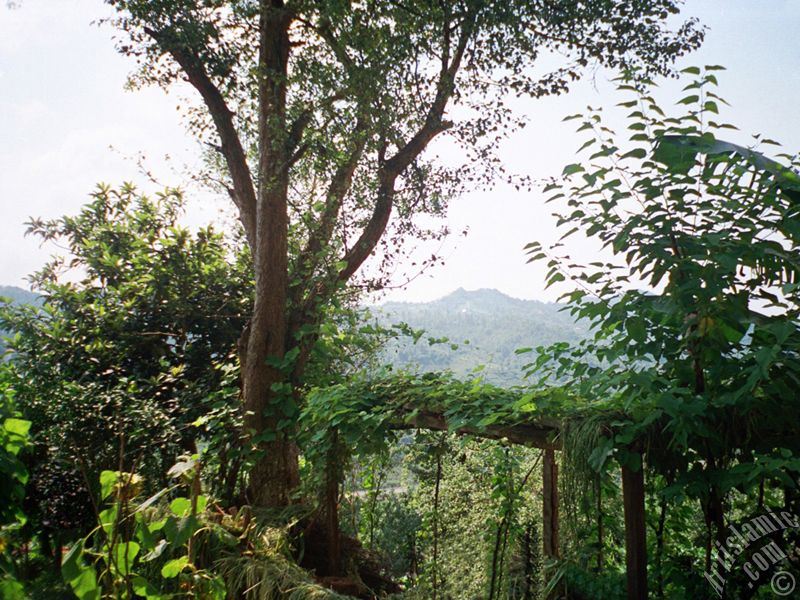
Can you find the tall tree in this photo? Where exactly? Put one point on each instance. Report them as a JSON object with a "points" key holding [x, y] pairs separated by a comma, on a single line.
{"points": [[322, 111]]}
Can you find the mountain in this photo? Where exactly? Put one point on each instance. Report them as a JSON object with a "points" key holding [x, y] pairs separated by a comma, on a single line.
{"points": [[478, 329], [17, 295], [485, 328]]}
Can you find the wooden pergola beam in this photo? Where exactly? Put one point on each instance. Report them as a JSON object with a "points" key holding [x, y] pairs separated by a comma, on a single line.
{"points": [[544, 435]]}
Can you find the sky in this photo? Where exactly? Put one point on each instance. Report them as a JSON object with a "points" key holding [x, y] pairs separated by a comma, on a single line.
{"points": [[67, 122]]}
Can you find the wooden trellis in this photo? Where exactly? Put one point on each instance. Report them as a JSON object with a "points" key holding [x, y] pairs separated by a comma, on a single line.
{"points": [[404, 403], [545, 434]]}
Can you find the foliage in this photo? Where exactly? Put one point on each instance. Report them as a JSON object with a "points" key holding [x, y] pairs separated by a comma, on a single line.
{"points": [[369, 408], [181, 546], [118, 558], [694, 301], [13, 477], [127, 360], [115, 367], [13, 438]]}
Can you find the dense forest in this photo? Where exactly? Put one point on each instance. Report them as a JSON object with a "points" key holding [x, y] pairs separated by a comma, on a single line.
{"points": [[225, 412]]}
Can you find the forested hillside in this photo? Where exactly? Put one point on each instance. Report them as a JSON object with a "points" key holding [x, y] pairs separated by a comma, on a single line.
{"points": [[18, 295], [480, 329]]}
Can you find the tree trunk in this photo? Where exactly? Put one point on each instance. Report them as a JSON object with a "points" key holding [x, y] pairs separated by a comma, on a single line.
{"points": [[268, 395], [330, 506]]}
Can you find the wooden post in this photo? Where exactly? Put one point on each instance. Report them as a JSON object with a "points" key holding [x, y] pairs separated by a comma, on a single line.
{"points": [[550, 504], [635, 533]]}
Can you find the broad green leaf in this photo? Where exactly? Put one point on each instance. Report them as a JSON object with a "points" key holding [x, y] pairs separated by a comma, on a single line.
{"points": [[81, 577], [179, 530], [124, 556], [144, 588], [181, 506], [85, 585], [174, 567], [18, 427], [636, 328], [108, 479], [11, 589]]}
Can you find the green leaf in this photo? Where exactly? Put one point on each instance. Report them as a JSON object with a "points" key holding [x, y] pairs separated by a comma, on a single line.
{"points": [[124, 555], [81, 577], [635, 153], [11, 589], [181, 506], [18, 427], [85, 585], [142, 587], [598, 457], [217, 588], [71, 566], [179, 530], [108, 479], [572, 169], [174, 567], [636, 328]]}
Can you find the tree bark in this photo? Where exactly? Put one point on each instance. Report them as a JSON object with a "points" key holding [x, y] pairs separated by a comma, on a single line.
{"points": [[267, 397], [330, 504]]}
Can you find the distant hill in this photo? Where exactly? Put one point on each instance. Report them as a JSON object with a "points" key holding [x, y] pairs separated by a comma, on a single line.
{"points": [[486, 326], [493, 324], [18, 295]]}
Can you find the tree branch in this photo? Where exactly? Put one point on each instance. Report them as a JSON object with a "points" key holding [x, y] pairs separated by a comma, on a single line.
{"points": [[392, 168], [337, 190], [231, 147]]}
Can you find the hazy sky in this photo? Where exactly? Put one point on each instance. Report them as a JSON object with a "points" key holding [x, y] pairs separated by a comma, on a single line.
{"points": [[66, 122]]}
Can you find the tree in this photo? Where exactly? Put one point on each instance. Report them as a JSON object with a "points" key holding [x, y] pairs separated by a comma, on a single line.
{"points": [[693, 303], [118, 360], [322, 112]]}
